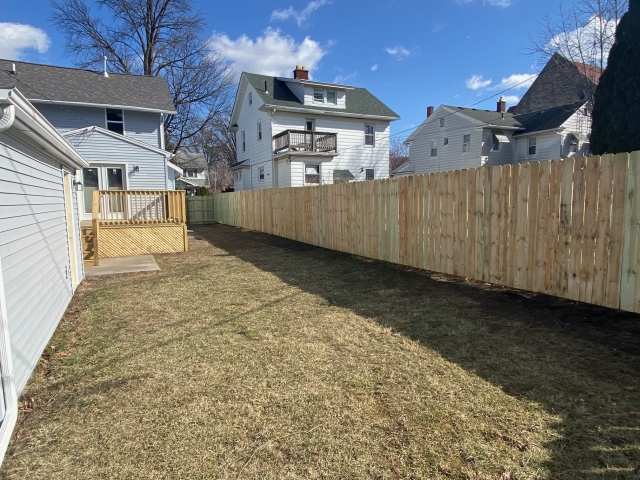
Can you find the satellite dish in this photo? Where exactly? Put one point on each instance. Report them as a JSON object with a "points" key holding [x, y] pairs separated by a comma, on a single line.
{"points": [[581, 95]]}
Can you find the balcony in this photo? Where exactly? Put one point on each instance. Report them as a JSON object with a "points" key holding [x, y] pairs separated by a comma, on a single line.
{"points": [[305, 142]]}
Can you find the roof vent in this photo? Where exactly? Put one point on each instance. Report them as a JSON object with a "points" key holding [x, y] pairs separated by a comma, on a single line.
{"points": [[13, 69], [266, 89], [104, 71]]}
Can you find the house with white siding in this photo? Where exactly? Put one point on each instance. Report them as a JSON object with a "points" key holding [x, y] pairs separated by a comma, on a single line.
{"points": [[553, 120], [293, 132], [195, 171], [40, 249], [115, 121]]}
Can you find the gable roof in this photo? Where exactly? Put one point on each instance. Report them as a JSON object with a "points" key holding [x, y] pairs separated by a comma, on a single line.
{"points": [[490, 117], [86, 87], [190, 160], [118, 136], [547, 119], [359, 101]]}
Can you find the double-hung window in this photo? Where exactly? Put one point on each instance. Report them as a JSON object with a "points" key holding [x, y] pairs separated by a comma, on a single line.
{"points": [[369, 135], [331, 97], [496, 143], [442, 122], [466, 143], [250, 98], [190, 172], [261, 173], [532, 145], [115, 120], [244, 142], [318, 95], [259, 131], [312, 174], [434, 148], [573, 143], [370, 174]]}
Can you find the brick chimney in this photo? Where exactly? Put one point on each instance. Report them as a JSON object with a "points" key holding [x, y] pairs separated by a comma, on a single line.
{"points": [[301, 73], [429, 111], [502, 105]]}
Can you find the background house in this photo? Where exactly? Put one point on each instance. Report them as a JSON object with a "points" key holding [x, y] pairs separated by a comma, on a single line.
{"points": [[115, 121], [195, 172], [553, 120], [40, 251], [295, 131]]}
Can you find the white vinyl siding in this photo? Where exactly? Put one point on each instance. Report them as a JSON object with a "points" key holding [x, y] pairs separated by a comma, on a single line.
{"points": [[548, 147]]}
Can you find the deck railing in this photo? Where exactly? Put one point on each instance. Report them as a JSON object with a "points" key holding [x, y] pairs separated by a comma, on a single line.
{"points": [[139, 207], [305, 141]]}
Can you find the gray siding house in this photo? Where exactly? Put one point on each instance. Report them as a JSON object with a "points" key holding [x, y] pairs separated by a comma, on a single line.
{"points": [[40, 251], [116, 121]]}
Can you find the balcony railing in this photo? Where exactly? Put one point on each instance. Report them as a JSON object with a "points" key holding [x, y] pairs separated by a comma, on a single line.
{"points": [[139, 207], [305, 141]]}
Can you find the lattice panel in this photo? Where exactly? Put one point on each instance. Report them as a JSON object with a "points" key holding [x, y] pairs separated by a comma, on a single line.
{"points": [[126, 241]]}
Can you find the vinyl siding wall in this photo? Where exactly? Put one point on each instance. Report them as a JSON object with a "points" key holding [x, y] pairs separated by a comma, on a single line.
{"points": [[506, 152], [102, 148], [548, 147], [143, 126], [34, 250], [451, 156]]}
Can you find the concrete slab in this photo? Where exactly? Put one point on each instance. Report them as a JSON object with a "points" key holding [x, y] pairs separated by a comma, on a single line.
{"points": [[112, 266]]}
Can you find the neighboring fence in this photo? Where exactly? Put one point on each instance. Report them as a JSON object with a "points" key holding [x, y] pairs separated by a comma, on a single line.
{"points": [[199, 210], [137, 222], [568, 228]]}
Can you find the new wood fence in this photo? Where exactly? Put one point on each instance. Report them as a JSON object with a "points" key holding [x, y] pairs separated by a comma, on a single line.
{"points": [[568, 228], [200, 210]]}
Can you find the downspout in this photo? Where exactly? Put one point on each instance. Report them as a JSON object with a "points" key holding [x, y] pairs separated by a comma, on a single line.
{"points": [[273, 171], [6, 368], [8, 117]]}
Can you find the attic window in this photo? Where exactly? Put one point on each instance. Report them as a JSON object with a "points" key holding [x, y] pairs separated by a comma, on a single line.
{"points": [[115, 120], [331, 97], [573, 143], [442, 122], [318, 95]]}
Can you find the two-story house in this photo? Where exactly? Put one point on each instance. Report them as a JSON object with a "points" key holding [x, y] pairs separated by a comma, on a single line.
{"points": [[553, 120], [294, 132], [114, 121], [195, 172]]}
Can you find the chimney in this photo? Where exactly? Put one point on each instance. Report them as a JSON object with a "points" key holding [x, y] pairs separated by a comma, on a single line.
{"points": [[502, 106], [429, 111], [104, 71], [301, 73]]}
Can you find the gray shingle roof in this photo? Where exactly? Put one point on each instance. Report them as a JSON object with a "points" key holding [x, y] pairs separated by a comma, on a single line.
{"points": [[490, 117], [359, 100], [71, 85], [547, 119], [190, 160]]}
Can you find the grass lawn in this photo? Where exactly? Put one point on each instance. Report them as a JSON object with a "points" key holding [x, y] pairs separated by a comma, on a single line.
{"points": [[256, 357]]}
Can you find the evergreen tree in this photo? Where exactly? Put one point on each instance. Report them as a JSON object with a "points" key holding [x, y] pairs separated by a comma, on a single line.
{"points": [[616, 110]]}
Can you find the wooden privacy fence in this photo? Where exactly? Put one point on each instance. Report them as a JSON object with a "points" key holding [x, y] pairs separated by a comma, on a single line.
{"points": [[138, 222], [568, 228], [199, 210]]}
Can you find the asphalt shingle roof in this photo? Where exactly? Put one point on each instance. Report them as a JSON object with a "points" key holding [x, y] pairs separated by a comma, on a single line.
{"points": [[189, 160], [62, 84], [547, 119], [490, 117], [359, 101]]}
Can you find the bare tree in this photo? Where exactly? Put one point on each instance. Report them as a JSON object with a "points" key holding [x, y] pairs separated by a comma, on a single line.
{"points": [[152, 37], [583, 32], [398, 153]]}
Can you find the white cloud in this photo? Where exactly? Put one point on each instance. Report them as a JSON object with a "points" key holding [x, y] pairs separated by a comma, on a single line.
{"points": [[15, 38], [582, 44], [398, 52], [300, 17], [271, 54], [517, 81], [476, 82], [495, 3], [374, 67], [344, 78], [511, 99]]}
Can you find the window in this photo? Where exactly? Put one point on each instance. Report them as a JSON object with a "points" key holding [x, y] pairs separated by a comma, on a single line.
{"points": [[190, 172], [442, 122], [532, 145], [369, 174], [318, 95], [312, 174], [446, 141], [434, 148], [310, 125], [250, 98], [466, 143], [573, 143], [496, 143], [115, 120], [261, 173], [244, 142], [369, 135], [259, 131], [331, 97]]}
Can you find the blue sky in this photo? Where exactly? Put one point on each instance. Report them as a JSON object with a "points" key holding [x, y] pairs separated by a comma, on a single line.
{"points": [[409, 53]]}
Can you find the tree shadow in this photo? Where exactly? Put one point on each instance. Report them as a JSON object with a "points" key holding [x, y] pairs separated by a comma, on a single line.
{"points": [[579, 362]]}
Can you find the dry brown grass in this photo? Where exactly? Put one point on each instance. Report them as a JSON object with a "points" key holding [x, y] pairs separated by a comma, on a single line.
{"points": [[256, 357]]}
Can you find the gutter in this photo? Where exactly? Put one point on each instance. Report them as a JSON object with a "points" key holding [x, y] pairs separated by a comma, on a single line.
{"points": [[8, 382], [527, 134], [105, 105], [336, 112]]}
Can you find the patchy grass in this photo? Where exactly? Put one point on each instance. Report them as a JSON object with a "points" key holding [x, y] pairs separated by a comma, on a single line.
{"points": [[256, 357]]}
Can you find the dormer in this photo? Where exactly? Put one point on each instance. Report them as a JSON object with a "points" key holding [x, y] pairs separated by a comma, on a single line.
{"points": [[316, 94]]}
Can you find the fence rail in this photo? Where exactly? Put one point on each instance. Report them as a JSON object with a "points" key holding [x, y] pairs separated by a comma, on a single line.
{"points": [[139, 207], [569, 228], [304, 140]]}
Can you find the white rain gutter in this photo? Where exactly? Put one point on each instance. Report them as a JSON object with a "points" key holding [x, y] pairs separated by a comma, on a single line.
{"points": [[6, 369], [8, 117]]}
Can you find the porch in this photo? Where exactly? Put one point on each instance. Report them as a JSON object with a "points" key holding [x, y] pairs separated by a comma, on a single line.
{"points": [[305, 141], [134, 222]]}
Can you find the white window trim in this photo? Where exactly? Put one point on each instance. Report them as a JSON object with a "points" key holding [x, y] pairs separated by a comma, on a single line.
{"points": [[244, 141], [494, 141], [259, 132], [365, 135], [335, 93], [261, 172], [529, 154], [314, 95], [313, 124], [434, 143], [466, 143], [319, 173], [365, 173], [442, 122], [106, 122]]}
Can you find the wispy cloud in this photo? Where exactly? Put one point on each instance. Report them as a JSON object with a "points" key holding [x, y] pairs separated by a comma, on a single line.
{"points": [[517, 81], [494, 3], [374, 67], [16, 38], [511, 99], [476, 82], [270, 54], [439, 27], [299, 16], [344, 78], [399, 52]]}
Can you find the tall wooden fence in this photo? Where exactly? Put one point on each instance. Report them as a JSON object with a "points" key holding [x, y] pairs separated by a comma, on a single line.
{"points": [[200, 210], [568, 228]]}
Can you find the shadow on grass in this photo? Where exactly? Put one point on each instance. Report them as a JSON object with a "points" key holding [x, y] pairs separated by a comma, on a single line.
{"points": [[577, 361]]}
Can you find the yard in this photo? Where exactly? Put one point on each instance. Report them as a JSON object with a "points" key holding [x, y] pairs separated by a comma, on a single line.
{"points": [[253, 356]]}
